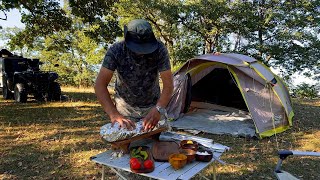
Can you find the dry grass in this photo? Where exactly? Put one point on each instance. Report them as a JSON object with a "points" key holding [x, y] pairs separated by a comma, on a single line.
{"points": [[55, 140], [51, 140]]}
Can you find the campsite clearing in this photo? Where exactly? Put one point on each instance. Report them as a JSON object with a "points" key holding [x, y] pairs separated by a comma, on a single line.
{"points": [[55, 140]]}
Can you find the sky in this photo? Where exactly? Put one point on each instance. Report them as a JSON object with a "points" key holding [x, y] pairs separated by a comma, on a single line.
{"points": [[14, 20]]}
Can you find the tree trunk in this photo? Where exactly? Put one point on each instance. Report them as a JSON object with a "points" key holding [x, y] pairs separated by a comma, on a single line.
{"points": [[209, 46], [171, 51], [204, 47], [260, 31]]}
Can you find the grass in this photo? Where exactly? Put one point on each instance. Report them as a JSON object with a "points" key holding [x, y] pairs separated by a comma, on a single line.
{"points": [[55, 141]]}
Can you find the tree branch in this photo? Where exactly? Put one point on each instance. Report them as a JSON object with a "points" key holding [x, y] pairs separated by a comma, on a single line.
{"points": [[5, 14], [194, 29], [33, 14], [157, 26]]}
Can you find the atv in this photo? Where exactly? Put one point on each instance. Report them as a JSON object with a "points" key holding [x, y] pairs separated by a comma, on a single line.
{"points": [[20, 77]]}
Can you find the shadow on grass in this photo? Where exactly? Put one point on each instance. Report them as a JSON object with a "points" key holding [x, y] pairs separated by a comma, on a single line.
{"points": [[31, 113], [55, 141], [51, 140], [256, 159], [307, 117], [30, 161], [308, 168]]}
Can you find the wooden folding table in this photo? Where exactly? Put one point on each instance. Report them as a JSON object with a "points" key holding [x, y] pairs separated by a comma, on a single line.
{"points": [[162, 171]]}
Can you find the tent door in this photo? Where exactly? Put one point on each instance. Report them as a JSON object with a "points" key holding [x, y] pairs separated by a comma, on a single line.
{"points": [[217, 87], [188, 94]]}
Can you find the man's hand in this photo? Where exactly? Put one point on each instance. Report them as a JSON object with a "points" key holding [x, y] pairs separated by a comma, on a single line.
{"points": [[151, 120], [124, 123]]}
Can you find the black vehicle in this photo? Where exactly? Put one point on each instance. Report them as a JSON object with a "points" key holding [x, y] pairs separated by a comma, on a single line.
{"points": [[20, 77]]}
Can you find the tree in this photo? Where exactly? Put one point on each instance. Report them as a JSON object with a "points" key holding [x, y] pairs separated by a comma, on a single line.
{"points": [[164, 17], [76, 48], [305, 90], [76, 53], [6, 5], [6, 34], [279, 33], [41, 18], [101, 17], [207, 18], [153, 11], [77, 59]]}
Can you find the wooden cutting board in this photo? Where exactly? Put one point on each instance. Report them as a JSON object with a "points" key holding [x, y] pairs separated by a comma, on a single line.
{"points": [[124, 144], [161, 150]]}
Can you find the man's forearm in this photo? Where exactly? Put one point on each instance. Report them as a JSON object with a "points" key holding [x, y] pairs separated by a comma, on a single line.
{"points": [[167, 90], [165, 97], [102, 92], [103, 96]]}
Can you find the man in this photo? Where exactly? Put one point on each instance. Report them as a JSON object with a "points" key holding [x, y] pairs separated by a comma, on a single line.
{"points": [[137, 60]]}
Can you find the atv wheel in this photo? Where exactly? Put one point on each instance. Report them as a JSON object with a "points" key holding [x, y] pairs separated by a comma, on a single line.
{"points": [[6, 93], [54, 93], [20, 94]]}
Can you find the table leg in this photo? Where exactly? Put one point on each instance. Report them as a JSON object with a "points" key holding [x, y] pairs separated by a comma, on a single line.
{"points": [[114, 170], [102, 176], [214, 171], [204, 177]]}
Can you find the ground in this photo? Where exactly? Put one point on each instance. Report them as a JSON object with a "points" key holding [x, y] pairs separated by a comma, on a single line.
{"points": [[55, 141]]}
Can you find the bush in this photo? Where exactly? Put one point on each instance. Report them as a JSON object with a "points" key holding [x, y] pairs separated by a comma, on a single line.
{"points": [[305, 90]]}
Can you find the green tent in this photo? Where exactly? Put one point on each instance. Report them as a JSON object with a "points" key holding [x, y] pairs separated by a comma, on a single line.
{"points": [[237, 81]]}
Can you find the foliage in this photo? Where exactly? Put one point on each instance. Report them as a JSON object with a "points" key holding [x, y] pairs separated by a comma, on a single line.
{"points": [[77, 64], [177, 66], [100, 15], [305, 90], [279, 33], [187, 48], [206, 18], [7, 33], [162, 14], [41, 18]]}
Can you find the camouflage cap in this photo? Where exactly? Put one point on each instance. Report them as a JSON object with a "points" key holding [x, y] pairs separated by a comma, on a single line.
{"points": [[139, 37]]}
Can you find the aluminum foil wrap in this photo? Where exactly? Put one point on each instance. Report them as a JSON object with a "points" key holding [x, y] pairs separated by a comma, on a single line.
{"points": [[115, 133]]}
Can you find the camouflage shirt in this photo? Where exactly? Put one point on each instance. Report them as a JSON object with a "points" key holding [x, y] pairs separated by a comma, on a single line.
{"points": [[137, 76]]}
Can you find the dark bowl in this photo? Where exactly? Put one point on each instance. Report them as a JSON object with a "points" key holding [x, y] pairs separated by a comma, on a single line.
{"points": [[191, 154], [185, 144], [203, 157]]}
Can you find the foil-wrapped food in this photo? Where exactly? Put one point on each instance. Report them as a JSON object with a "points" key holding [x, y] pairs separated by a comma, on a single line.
{"points": [[115, 133]]}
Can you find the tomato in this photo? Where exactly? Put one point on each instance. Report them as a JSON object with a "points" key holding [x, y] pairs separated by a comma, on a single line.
{"points": [[148, 164], [134, 163], [133, 159]]}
